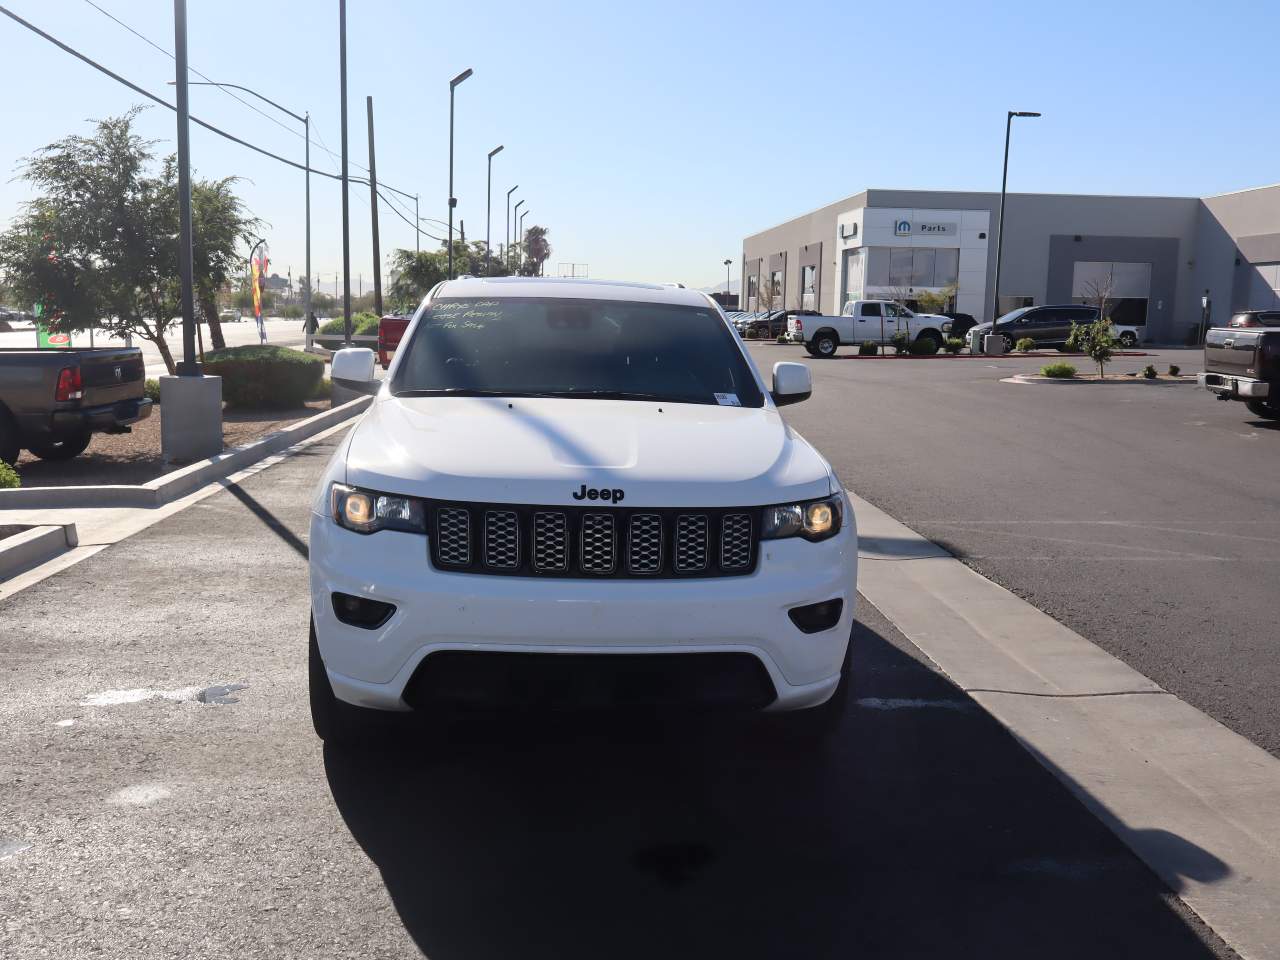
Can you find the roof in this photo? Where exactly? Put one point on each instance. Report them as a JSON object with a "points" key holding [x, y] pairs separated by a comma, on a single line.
{"points": [[569, 288]]}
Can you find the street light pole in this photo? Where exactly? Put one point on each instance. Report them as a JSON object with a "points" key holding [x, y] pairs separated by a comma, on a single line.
{"points": [[1004, 182], [507, 247], [346, 210], [188, 367], [726, 281], [453, 201], [488, 208], [520, 240], [515, 232], [373, 206]]}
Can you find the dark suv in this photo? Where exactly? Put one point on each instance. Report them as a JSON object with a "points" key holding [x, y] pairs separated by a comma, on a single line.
{"points": [[1047, 326], [774, 325], [1255, 318]]}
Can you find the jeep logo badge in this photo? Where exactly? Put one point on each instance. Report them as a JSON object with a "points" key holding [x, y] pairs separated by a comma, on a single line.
{"points": [[119, 373], [606, 494]]}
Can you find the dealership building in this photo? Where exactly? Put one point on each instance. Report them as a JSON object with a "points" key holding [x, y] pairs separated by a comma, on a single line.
{"points": [[1156, 255]]}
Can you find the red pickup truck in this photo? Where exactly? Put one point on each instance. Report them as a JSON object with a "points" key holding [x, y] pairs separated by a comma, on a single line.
{"points": [[390, 329]]}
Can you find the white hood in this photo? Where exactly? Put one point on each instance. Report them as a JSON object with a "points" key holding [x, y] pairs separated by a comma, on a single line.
{"points": [[542, 450]]}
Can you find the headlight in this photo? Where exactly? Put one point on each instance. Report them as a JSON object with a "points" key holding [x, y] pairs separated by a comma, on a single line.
{"points": [[814, 520], [946, 327], [365, 511]]}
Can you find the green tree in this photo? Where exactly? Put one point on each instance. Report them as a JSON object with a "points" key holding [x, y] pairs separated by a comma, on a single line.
{"points": [[1096, 339], [98, 246], [414, 273], [537, 248]]}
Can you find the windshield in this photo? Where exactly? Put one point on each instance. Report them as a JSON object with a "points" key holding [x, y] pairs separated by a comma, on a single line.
{"points": [[548, 347], [1012, 315]]}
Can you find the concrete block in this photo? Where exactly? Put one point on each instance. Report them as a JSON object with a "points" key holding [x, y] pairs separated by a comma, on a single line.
{"points": [[190, 418]]}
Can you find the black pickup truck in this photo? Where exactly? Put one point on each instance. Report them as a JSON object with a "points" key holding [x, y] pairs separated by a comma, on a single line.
{"points": [[1243, 363], [53, 401]]}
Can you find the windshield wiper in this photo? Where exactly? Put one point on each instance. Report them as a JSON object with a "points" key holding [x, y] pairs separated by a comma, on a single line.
{"points": [[611, 395], [469, 392]]}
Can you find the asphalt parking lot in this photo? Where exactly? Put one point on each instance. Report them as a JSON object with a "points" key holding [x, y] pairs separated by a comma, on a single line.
{"points": [[1143, 516], [162, 794]]}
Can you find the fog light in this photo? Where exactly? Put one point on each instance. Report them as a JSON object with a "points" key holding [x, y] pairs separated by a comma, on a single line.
{"points": [[816, 617], [361, 611]]}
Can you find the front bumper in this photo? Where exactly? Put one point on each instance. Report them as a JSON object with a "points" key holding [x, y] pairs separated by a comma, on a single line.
{"points": [[1234, 387], [438, 611]]}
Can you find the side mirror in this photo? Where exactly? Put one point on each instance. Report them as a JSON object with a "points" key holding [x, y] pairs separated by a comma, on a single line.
{"points": [[352, 368], [791, 383]]}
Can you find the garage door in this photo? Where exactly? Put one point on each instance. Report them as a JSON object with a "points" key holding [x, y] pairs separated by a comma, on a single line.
{"points": [[1127, 285]]}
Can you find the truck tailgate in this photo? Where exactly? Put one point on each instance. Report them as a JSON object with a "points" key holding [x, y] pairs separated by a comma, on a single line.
{"points": [[111, 375]]}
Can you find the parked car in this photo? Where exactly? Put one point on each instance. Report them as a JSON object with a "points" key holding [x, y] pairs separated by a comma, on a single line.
{"points": [[581, 494], [230, 316], [1243, 363], [53, 401], [959, 324], [1255, 318], [863, 320], [774, 324], [1047, 326], [390, 330]]}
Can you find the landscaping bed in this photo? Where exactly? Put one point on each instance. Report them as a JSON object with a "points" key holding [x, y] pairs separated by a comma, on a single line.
{"points": [[134, 458]]}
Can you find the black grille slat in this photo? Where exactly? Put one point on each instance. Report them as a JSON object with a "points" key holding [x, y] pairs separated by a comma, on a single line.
{"points": [[598, 549], [691, 548], [593, 542], [644, 544], [736, 541], [501, 539], [550, 542]]}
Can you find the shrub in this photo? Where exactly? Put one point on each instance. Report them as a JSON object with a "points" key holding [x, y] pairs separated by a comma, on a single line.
{"points": [[9, 479], [1096, 339], [1058, 371], [362, 324], [265, 375], [923, 347], [290, 312], [1025, 345], [901, 341], [151, 390], [868, 348], [323, 390], [782, 338], [1149, 372], [953, 345], [1174, 369]]}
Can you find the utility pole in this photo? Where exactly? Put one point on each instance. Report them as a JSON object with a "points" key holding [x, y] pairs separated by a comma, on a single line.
{"points": [[417, 230], [188, 367], [346, 210], [373, 206]]}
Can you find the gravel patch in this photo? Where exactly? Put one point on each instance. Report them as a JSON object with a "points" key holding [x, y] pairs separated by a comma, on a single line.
{"points": [[134, 458]]}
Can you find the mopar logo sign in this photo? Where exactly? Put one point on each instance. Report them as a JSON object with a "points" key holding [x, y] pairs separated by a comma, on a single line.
{"points": [[905, 228]]}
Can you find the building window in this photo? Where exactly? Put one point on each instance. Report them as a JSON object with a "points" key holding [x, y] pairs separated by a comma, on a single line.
{"points": [[852, 288], [775, 283], [1009, 302], [1122, 289], [912, 266], [808, 286], [753, 291]]}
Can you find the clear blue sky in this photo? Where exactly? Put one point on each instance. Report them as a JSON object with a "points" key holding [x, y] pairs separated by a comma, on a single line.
{"points": [[650, 138]]}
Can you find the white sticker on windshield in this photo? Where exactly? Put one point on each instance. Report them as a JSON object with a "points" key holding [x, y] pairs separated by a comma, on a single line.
{"points": [[727, 400]]}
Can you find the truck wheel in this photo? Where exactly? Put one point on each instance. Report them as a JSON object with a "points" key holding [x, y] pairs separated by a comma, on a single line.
{"points": [[824, 345], [1128, 340], [1260, 408], [9, 446], [335, 721], [63, 446], [930, 337]]}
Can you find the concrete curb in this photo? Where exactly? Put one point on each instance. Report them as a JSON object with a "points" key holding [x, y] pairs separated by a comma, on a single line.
{"points": [[181, 482], [1034, 379], [23, 551], [1199, 804]]}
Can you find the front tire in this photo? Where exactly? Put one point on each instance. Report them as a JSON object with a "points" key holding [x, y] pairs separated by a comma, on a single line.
{"points": [[335, 721], [1261, 408], [1128, 340], [9, 445], [61, 446], [824, 345]]}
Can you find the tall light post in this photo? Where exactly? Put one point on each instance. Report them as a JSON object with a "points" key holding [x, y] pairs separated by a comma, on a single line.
{"points": [[305, 120], [488, 207], [520, 239], [726, 281], [1004, 182], [346, 210], [507, 235], [188, 367], [515, 229], [453, 201]]}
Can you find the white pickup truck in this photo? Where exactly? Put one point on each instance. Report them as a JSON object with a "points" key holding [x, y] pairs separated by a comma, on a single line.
{"points": [[861, 320]]}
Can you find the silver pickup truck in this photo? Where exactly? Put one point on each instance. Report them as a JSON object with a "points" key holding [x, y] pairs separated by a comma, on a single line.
{"points": [[53, 401]]}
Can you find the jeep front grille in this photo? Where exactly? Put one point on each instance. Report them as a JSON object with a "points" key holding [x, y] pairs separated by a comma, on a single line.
{"points": [[547, 541]]}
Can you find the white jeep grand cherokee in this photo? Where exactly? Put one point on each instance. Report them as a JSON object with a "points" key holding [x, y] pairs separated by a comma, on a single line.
{"points": [[576, 493]]}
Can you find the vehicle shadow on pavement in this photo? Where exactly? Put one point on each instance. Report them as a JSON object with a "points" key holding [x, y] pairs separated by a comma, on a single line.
{"points": [[922, 830]]}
